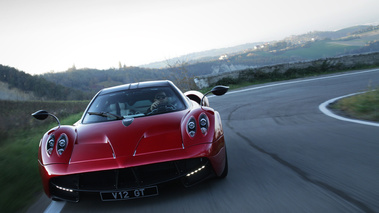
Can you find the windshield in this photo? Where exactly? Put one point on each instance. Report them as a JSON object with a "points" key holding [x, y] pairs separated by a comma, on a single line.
{"points": [[133, 103]]}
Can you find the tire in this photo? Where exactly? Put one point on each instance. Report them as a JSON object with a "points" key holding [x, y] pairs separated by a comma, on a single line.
{"points": [[226, 168]]}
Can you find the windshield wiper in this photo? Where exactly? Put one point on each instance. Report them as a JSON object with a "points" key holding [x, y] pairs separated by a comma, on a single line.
{"points": [[106, 114]]}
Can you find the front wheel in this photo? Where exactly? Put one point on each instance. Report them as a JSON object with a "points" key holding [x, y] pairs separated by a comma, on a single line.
{"points": [[226, 168]]}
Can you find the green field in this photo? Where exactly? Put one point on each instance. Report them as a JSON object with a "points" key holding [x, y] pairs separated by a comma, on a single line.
{"points": [[321, 49]]}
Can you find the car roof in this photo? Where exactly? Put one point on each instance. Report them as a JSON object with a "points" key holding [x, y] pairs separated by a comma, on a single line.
{"points": [[138, 85]]}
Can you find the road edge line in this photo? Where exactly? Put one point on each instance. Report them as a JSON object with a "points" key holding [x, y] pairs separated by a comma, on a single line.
{"points": [[55, 207]]}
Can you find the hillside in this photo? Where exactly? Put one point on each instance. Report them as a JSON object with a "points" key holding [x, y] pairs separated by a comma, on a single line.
{"points": [[203, 56], [18, 85], [310, 46], [14, 94], [85, 83], [181, 70], [93, 80], [215, 54]]}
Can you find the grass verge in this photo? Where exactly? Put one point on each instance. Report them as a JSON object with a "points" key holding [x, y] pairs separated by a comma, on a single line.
{"points": [[364, 106], [19, 179]]}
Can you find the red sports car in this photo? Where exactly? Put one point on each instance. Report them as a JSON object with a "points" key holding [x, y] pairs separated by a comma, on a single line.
{"points": [[132, 138]]}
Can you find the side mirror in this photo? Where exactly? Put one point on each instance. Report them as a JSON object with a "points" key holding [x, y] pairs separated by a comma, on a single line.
{"points": [[42, 115], [217, 90]]}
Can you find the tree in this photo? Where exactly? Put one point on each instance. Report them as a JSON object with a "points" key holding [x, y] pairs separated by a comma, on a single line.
{"points": [[180, 75], [73, 68]]}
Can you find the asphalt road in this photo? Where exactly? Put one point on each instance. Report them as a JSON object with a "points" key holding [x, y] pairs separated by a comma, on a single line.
{"points": [[284, 154]]}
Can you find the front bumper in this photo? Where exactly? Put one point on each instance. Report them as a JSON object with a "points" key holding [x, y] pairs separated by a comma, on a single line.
{"points": [[189, 171], [67, 181]]}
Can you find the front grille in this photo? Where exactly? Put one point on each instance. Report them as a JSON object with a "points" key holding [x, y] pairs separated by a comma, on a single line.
{"points": [[128, 178]]}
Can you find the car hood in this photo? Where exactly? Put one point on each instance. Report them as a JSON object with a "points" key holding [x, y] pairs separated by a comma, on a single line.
{"points": [[112, 139]]}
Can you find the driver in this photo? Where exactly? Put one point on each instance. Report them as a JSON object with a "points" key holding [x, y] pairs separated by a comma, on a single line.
{"points": [[160, 99]]}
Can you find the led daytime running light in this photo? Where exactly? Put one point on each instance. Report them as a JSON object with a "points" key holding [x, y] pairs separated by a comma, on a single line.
{"points": [[196, 171], [64, 189]]}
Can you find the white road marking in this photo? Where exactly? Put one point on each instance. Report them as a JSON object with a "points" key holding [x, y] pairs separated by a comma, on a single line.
{"points": [[55, 207], [301, 81]]}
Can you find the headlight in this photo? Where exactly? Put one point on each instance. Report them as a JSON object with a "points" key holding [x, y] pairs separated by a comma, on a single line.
{"points": [[50, 144], [191, 127], [62, 144], [204, 123]]}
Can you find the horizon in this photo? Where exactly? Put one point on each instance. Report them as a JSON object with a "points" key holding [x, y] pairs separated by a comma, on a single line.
{"points": [[44, 36]]}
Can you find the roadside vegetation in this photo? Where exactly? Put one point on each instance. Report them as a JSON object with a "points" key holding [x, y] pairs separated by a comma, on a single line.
{"points": [[364, 106], [16, 115], [19, 141], [19, 179]]}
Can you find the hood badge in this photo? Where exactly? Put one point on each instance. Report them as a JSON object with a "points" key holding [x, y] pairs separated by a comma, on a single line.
{"points": [[127, 121]]}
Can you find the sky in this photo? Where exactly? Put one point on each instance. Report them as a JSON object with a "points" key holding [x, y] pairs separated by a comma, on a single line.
{"points": [[39, 36]]}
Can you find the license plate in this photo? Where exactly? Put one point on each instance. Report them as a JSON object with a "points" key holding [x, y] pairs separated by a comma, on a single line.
{"points": [[129, 194]]}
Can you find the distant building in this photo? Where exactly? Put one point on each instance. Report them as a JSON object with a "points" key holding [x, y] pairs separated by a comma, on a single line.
{"points": [[223, 57]]}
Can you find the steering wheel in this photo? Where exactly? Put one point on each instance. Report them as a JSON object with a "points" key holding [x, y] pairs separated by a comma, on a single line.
{"points": [[162, 108]]}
